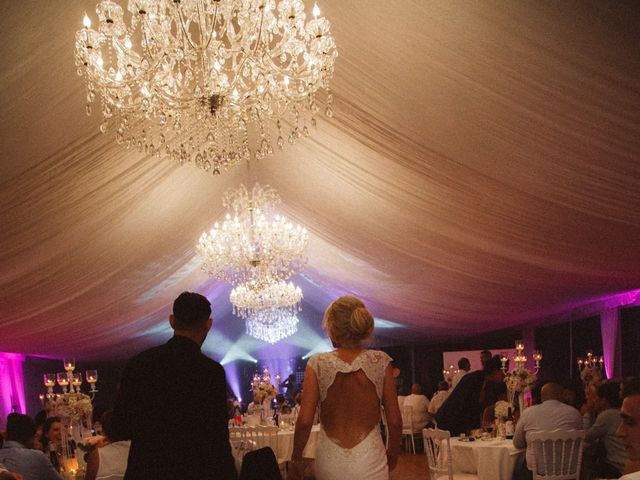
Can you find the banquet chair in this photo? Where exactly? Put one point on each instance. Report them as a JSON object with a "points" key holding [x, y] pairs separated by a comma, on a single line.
{"points": [[407, 426], [557, 454], [267, 436], [260, 464], [437, 446]]}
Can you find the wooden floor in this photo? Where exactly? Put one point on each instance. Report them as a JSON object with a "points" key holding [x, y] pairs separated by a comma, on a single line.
{"points": [[411, 467]]}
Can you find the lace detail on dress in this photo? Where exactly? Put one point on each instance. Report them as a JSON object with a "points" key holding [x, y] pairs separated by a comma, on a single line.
{"points": [[372, 362]]}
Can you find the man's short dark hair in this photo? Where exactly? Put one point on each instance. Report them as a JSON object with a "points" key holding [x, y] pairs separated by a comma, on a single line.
{"points": [[609, 391], [191, 310], [464, 363], [20, 428], [493, 364]]}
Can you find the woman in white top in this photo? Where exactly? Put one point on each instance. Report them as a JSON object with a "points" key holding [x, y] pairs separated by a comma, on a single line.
{"points": [[109, 461], [350, 384]]}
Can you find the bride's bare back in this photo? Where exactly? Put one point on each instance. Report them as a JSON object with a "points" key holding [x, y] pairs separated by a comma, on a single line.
{"points": [[351, 409], [350, 389]]}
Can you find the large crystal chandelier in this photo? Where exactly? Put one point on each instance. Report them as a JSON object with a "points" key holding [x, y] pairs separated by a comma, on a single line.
{"points": [[272, 325], [254, 245], [248, 301], [210, 82], [257, 250]]}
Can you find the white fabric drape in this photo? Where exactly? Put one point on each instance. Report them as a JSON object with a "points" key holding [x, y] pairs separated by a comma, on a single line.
{"points": [[611, 351], [481, 171]]}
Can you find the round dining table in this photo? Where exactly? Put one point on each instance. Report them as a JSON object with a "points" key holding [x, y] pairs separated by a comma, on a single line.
{"points": [[490, 459], [282, 446]]}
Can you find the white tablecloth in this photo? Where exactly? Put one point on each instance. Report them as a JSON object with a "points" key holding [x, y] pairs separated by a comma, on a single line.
{"points": [[284, 447], [491, 460]]}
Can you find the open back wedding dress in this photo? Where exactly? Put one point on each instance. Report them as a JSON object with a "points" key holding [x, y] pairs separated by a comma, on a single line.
{"points": [[349, 444]]}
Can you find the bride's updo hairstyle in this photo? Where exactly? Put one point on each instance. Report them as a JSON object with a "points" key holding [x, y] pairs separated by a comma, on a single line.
{"points": [[348, 320]]}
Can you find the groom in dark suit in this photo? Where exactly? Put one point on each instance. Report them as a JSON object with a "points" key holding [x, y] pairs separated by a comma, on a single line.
{"points": [[172, 404]]}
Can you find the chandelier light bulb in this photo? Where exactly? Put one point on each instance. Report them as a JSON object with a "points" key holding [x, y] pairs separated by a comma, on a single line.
{"points": [[207, 82]]}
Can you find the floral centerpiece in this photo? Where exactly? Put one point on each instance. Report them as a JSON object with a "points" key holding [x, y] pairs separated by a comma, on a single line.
{"points": [[591, 375], [264, 391], [519, 380], [76, 407], [501, 410]]}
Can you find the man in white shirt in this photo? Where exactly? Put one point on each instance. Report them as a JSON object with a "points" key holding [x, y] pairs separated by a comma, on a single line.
{"points": [[551, 414], [464, 366], [629, 431], [419, 407]]}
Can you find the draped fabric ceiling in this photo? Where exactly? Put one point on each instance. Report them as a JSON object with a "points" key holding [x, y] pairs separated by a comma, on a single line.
{"points": [[481, 171]]}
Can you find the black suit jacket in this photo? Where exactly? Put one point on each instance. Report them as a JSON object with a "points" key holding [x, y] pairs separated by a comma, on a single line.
{"points": [[172, 405], [462, 409]]}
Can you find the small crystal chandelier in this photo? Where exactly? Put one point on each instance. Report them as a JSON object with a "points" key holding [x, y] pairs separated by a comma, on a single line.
{"points": [[210, 82], [248, 301], [272, 325], [254, 246]]}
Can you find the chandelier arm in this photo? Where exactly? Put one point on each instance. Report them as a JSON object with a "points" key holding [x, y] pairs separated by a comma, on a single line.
{"points": [[146, 45], [213, 27], [202, 24], [244, 58], [182, 26]]}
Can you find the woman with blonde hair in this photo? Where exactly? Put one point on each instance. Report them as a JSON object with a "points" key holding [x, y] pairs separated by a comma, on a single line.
{"points": [[350, 384]]}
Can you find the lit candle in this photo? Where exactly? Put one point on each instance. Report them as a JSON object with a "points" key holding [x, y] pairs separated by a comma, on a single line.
{"points": [[49, 380]]}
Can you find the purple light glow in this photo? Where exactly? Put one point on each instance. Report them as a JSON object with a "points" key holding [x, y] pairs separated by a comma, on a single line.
{"points": [[11, 384]]}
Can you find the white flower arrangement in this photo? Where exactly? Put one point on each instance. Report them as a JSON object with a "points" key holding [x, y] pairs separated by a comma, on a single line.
{"points": [[519, 380], [501, 409], [73, 406], [264, 390], [591, 376]]}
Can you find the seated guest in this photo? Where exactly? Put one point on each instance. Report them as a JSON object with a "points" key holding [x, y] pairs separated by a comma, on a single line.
{"points": [[296, 408], [462, 410], [439, 397], [401, 399], [629, 431], [588, 409], [281, 404], [256, 407], [485, 356], [602, 433], [419, 407], [109, 461], [51, 440], [574, 394], [464, 366], [551, 414], [17, 454]]}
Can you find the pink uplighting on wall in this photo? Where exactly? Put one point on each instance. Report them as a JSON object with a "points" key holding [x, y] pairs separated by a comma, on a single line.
{"points": [[11, 384]]}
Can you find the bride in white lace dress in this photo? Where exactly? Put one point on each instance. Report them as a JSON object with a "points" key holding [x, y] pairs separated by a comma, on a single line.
{"points": [[350, 384]]}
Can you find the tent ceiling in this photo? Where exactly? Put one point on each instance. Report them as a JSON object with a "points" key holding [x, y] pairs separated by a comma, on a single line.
{"points": [[481, 171]]}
